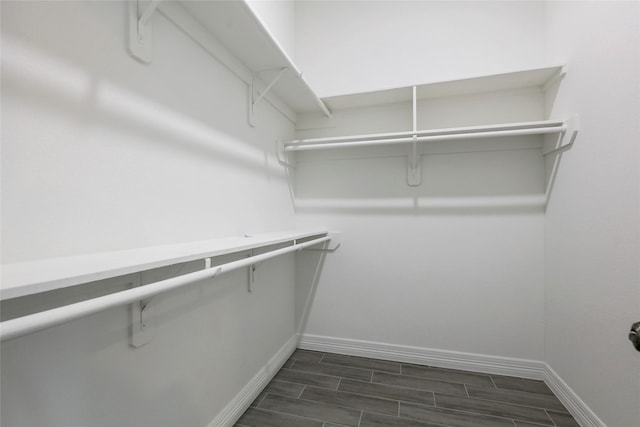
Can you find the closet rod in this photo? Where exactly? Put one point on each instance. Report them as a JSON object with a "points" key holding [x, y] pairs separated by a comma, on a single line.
{"points": [[429, 132], [45, 319], [471, 135]]}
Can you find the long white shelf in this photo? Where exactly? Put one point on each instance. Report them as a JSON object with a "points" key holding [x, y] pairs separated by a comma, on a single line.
{"points": [[26, 278], [244, 34]]}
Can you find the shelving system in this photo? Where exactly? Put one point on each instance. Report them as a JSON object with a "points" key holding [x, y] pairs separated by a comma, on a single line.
{"points": [[30, 278], [539, 79], [232, 33]]}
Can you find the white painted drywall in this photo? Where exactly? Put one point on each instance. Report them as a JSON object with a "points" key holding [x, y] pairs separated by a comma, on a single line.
{"points": [[592, 226], [454, 264], [354, 46], [101, 152]]}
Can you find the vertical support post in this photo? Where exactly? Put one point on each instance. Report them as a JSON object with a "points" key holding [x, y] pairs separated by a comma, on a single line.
{"points": [[251, 273], [142, 318], [140, 35], [414, 172]]}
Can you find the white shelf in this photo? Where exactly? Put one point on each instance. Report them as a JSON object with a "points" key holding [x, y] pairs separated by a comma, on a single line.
{"points": [[533, 78], [26, 278], [237, 27]]}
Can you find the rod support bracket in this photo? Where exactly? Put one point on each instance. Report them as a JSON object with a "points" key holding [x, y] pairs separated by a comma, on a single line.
{"points": [[140, 34], [558, 143]]}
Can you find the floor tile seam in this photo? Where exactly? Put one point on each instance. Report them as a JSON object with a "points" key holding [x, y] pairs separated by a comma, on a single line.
{"points": [[261, 400], [302, 391], [540, 425], [306, 372], [356, 367], [360, 419], [552, 420], [508, 403], [329, 364], [542, 395], [426, 378], [291, 415], [471, 412], [390, 399], [346, 407], [384, 398], [419, 389], [421, 421], [282, 381], [448, 370], [493, 382], [510, 416]]}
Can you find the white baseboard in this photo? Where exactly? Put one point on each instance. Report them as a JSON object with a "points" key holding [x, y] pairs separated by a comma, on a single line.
{"points": [[234, 409], [497, 365], [580, 411], [427, 356]]}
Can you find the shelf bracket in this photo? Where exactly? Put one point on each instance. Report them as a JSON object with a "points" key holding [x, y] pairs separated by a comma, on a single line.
{"points": [[140, 34], [255, 100], [281, 155], [567, 137], [251, 272], [414, 173]]}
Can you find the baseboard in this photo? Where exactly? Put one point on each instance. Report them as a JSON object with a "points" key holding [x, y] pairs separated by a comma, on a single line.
{"points": [[580, 411], [496, 365], [426, 356], [234, 409]]}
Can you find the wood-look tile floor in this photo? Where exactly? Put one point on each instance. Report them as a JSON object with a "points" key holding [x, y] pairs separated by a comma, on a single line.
{"points": [[331, 390]]}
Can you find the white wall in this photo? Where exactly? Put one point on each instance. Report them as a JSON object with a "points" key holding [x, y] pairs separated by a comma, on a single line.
{"points": [[592, 226], [101, 152], [354, 46], [453, 264]]}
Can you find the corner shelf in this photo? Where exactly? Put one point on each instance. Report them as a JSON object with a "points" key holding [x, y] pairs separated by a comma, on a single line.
{"points": [[32, 277], [563, 132]]}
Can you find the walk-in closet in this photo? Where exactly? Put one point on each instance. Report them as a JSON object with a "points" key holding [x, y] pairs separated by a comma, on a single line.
{"points": [[305, 213]]}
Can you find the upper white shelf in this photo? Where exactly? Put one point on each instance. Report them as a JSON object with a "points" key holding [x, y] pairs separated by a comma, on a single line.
{"points": [[243, 33], [26, 278], [531, 78]]}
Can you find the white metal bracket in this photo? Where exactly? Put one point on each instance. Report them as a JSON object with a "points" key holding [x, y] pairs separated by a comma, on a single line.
{"points": [[251, 270], [414, 169], [140, 34], [281, 155], [566, 138], [142, 319], [555, 78], [331, 246], [254, 97]]}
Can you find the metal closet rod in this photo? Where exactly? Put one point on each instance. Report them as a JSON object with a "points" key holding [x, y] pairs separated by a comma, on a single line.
{"points": [[46, 319], [411, 138]]}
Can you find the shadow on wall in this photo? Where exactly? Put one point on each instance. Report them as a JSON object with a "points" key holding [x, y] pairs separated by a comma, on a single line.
{"points": [[471, 178], [309, 266], [64, 89]]}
